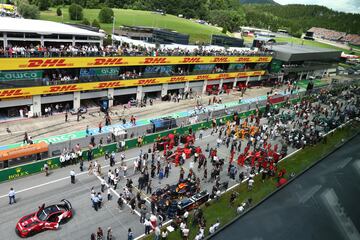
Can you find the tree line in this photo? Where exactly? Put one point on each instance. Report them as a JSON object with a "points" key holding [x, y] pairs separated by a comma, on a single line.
{"points": [[228, 14], [297, 19]]}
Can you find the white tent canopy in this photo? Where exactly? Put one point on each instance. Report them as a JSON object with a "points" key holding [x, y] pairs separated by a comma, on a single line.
{"points": [[132, 41], [174, 46], [20, 25]]}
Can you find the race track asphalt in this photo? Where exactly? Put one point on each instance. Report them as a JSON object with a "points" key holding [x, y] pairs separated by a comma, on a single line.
{"points": [[323, 203], [34, 190]]}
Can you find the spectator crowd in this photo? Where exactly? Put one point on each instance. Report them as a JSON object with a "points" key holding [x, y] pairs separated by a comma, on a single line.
{"points": [[124, 49]]}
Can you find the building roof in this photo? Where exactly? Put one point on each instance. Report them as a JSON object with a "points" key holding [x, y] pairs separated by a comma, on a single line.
{"points": [[293, 52], [41, 27], [265, 39]]}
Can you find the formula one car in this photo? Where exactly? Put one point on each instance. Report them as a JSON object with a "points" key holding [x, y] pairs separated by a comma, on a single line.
{"points": [[46, 218]]}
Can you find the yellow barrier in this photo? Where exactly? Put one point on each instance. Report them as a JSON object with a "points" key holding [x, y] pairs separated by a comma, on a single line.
{"points": [[85, 62], [30, 91]]}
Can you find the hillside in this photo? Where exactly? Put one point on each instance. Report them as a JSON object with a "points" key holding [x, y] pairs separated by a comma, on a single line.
{"points": [[197, 32], [298, 18], [258, 1]]}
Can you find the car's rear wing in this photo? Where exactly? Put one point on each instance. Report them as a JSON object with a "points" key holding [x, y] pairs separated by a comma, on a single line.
{"points": [[67, 204]]}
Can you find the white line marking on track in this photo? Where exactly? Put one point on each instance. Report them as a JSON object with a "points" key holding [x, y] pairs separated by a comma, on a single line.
{"points": [[61, 179]]}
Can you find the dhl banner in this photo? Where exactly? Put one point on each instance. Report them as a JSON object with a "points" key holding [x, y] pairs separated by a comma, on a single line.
{"points": [[85, 62], [30, 91]]}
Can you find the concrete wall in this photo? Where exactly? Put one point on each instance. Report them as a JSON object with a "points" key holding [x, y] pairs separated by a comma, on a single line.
{"points": [[124, 91], [13, 103], [176, 86], [94, 94], [57, 98], [154, 88]]}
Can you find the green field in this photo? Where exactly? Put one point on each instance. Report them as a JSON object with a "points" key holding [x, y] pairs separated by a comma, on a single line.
{"points": [[304, 42], [198, 32]]}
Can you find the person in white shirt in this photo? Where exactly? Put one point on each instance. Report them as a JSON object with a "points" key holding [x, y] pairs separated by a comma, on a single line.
{"points": [[125, 170], [72, 176], [164, 234], [185, 216], [250, 183], [191, 165], [200, 234], [147, 224], [185, 233], [12, 196], [103, 183], [67, 158], [182, 225], [214, 227], [241, 208]]}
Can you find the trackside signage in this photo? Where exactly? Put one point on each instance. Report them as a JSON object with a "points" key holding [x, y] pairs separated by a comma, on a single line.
{"points": [[23, 92], [8, 64], [20, 75]]}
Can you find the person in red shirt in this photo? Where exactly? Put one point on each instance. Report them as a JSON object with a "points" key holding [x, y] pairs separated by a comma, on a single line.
{"points": [[231, 156], [100, 127]]}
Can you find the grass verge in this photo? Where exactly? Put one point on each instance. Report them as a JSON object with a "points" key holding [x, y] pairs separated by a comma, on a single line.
{"points": [[300, 41], [296, 163], [197, 32]]}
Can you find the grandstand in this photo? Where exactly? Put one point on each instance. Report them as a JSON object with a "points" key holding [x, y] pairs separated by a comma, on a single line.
{"points": [[352, 39], [45, 64], [8, 10], [332, 35]]}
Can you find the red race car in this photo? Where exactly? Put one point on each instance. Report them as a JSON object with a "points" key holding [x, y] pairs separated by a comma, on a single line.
{"points": [[46, 218]]}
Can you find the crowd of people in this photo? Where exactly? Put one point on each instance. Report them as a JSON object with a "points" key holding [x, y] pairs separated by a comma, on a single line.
{"points": [[125, 49], [99, 235], [333, 35], [254, 145]]}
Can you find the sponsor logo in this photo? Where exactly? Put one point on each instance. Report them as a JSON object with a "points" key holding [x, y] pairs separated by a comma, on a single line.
{"points": [[66, 88], [146, 81], [51, 165], [191, 60], [37, 63], [241, 74], [178, 79], [155, 60], [109, 85], [263, 59], [244, 59], [220, 60], [202, 77], [19, 173], [224, 75], [12, 92], [107, 62], [257, 73]]}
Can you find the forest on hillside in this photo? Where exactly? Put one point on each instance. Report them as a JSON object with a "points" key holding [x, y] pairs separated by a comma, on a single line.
{"points": [[230, 14]]}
